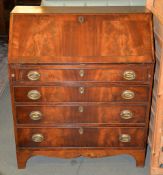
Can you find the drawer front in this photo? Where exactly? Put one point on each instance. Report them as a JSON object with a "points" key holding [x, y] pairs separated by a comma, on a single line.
{"points": [[80, 137], [123, 73], [81, 114], [81, 94]]}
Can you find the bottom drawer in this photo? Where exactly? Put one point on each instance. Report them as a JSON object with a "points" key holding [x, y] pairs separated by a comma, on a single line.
{"points": [[81, 137]]}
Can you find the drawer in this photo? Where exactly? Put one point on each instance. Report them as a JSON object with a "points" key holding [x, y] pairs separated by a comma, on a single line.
{"points": [[111, 73], [81, 93], [111, 114], [80, 137]]}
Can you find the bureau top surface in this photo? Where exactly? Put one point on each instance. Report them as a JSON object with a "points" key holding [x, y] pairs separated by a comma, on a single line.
{"points": [[78, 10]]}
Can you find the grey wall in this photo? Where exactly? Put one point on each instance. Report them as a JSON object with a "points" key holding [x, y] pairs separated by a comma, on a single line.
{"points": [[93, 2]]}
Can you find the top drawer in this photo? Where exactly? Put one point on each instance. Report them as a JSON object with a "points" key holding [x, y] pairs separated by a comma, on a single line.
{"points": [[105, 73], [81, 38]]}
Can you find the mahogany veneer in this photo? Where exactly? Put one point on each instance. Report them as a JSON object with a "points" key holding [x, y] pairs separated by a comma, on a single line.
{"points": [[81, 81]]}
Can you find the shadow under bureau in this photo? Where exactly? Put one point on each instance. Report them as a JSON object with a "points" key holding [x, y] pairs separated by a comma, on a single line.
{"points": [[81, 81]]}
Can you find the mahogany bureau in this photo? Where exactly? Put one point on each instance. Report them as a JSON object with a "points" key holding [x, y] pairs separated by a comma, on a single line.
{"points": [[81, 81]]}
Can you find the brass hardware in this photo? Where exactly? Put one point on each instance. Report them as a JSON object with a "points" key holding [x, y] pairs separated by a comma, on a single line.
{"points": [[128, 95], [125, 138], [81, 109], [33, 75], [126, 114], [129, 75], [81, 131], [34, 95], [35, 115], [81, 19], [149, 76], [81, 90], [12, 75], [81, 73], [38, 138]]}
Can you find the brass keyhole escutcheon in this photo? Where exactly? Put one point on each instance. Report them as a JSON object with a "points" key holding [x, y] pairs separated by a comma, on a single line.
{"points": [[81, 73], [81, 109], [129, 75], [81, 19], [37, 138], [81, 90], [128, 94], [81, 131], [34, 95], [126, 114], [33, 75], [35, 115]]}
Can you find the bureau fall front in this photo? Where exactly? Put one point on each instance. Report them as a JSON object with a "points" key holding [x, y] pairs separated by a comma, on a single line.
{"points": [[81, 81]]}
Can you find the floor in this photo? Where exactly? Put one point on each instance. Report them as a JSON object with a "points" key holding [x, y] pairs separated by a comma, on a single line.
{"points": [[3, 64]]}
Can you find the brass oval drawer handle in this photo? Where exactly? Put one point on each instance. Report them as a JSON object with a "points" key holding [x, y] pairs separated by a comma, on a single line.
{"points": [[124, 138], [129, 75], [33, 75], [128, 94], [81, 90], [34, 95], [81, 19], [126, 114], [38, 138], [81, 73], [81, 109], [81, 131], [35, 115]]}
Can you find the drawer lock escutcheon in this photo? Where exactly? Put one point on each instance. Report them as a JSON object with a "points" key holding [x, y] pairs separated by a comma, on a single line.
{"points": [[81, 73], [33, 75], [128, 95], [124, 138], [126, 114], [37, 138], [35, 115], [34, 95], [81, 19], [81, 90], [81, 131], [129, 75], [81, 109]]}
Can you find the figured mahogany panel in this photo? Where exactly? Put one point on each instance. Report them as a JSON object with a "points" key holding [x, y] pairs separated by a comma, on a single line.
{"points": [[123, 35], [110, 73], [89, 94], [53, 35], [81, 38], [89, 114], [72, 137]]}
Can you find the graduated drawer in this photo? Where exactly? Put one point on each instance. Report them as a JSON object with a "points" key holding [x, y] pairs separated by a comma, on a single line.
{"points": [[110, 73], [101, 93], [111, 114], [81, 137]]}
